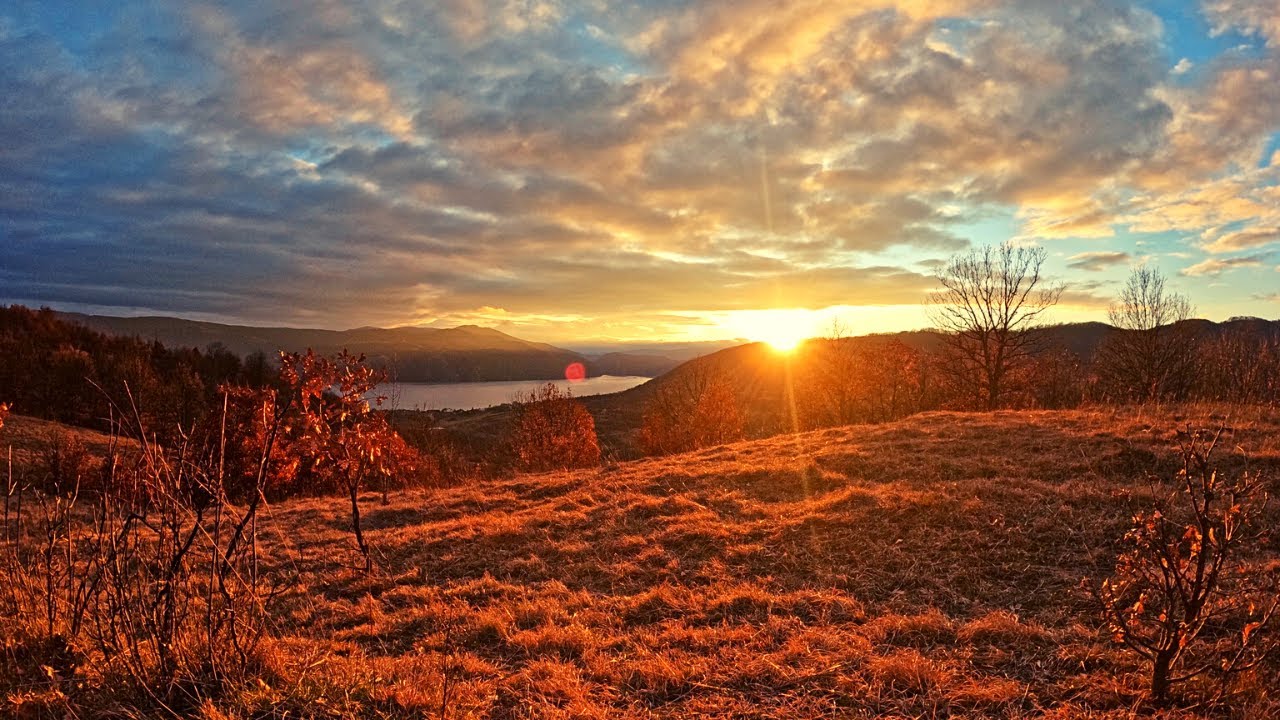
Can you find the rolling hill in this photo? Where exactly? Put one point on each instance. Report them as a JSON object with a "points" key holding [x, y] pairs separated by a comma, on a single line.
{"points": [[927, 568], [468, 353], [762, 379]]}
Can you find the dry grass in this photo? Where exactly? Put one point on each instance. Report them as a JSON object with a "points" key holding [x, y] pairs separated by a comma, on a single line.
{"points": [[27, 437], [928, 568]]}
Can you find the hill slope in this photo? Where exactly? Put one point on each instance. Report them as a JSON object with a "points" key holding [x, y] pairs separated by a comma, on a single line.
{"points": [[763, 378], [467, 353], [924, 568]]}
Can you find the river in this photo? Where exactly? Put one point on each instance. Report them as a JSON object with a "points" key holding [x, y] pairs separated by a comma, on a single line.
{"points": [[477, 395]]}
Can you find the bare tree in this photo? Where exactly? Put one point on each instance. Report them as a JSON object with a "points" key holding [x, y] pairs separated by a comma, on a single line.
{"points": [[989, 308], [1150, 355]]}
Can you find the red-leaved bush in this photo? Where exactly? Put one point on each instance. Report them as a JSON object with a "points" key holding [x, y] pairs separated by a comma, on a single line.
{"points": [[553, 431]]}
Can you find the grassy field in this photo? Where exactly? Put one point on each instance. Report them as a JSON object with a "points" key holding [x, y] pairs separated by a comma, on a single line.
{"points": [[929, 568], [27, 438]]}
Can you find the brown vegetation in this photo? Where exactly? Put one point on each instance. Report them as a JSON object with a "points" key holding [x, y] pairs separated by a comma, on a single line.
{"points": [[1181, 597], [929, 567], [552, 431], [696, 410]]}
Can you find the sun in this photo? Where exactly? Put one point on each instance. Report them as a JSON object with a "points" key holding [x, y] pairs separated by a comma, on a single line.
{"points": [[782, 329], [784, 343]]}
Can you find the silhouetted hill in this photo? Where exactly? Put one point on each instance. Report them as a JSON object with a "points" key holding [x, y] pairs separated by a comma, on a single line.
{"points": [[765, 380], [243, 339], [677, 351], [631, 364], [1085, 338], [468, 353]]}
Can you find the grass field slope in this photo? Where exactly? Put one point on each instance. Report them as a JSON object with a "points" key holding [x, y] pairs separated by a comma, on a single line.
{"points": [[925, 568]]}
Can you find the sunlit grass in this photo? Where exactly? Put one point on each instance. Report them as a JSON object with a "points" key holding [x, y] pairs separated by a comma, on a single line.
{"points": [[929, 567]]}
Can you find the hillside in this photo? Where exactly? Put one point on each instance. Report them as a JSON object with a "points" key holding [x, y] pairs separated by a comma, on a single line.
{"points": [[925, 568], [467, 353], [243, 339], [767, 381], [29, 438], [783, 391]]}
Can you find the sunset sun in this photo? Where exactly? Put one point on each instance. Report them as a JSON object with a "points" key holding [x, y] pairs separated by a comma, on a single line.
{"points": [[783, 341], [781, 329]]}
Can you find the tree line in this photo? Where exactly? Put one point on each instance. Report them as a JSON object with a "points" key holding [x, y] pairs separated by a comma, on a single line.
{"points": [[998, 352], [991, 348], [63, 371]]}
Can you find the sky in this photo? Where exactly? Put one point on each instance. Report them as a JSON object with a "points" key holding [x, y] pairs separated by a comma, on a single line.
{"points": [[602, 170]]}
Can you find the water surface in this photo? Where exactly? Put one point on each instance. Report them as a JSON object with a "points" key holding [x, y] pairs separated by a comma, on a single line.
{"points": [[477, 395]]}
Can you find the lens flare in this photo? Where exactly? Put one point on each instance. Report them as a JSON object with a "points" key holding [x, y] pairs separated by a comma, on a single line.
{"points": [[575, 372]]}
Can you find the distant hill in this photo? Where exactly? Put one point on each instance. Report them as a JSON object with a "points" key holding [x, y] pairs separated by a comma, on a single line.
{"points": [[468, 353], [677, 351], [762, 375], [632, 364]]}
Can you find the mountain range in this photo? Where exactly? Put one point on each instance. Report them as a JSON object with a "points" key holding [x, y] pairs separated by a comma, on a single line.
{"points": [[468, 353]]}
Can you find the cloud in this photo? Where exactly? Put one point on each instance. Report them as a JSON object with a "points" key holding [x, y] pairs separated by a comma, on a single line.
{"points": [[341, 163], [1214, 267], [1097, 261], [1253, 237], [1253, 16]]}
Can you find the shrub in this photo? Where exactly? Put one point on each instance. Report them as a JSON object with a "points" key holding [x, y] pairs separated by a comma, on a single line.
{"points": [[1240, 365], [141, 577], [553, 431], [698, 409], [62, 464], [1182, 597]]}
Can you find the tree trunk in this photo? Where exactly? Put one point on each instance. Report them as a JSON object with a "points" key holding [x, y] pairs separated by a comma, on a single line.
{"points": [[1160, 670], [355, 525]]}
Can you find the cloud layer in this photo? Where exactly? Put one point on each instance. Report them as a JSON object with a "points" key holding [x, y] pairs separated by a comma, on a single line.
{"points": [[622, 166]]}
